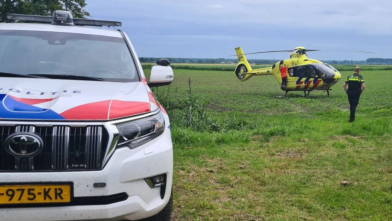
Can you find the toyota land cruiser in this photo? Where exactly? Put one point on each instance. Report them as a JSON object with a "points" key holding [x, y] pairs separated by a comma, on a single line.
{"points": [[81, 135]]}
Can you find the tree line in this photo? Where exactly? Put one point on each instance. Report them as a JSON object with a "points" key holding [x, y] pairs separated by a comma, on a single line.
{"points": [[379, 61], [42, 7]]}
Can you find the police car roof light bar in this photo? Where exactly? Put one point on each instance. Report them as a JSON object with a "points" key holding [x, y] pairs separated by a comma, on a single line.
{"points": [[32, 18], [55, 20], [62, 18], [100, 23]]}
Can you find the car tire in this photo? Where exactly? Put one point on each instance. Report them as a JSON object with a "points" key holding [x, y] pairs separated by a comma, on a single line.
{"points": [[165, 214]]}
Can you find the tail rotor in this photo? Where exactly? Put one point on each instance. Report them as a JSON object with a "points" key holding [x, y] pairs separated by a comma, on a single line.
{"points": [[243, 66], [241, 71]]}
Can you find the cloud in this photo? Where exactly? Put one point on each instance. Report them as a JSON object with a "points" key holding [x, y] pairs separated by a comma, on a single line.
{"points": [[361, 16], [214, 27]]}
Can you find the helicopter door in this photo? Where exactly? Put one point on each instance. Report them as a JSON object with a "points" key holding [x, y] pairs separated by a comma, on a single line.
{"points": [[311, 75], [300, 71], [305, 75]]}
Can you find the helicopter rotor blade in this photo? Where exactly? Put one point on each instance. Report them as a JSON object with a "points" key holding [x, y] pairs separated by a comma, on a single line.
{"points": [[265, 52], [308, 50], [367, 52]]}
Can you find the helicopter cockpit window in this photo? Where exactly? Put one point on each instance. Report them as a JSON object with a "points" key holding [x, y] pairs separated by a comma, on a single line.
{"points": [[291, 72], [305, 71], [301, 71], [330, 66], [312, 72], [324, 71]]}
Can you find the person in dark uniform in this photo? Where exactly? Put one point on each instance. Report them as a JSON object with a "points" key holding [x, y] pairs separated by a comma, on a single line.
{"points": [[356, 85]]}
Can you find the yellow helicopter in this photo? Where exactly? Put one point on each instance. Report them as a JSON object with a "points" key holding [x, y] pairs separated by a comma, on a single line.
{"points": [[298, 73]]}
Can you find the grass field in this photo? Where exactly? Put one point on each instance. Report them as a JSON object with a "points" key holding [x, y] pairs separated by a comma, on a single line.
{"points": [[243, 151]]}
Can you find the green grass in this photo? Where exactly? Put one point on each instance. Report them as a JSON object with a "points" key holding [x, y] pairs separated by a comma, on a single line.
{"points": [[257, 155]]}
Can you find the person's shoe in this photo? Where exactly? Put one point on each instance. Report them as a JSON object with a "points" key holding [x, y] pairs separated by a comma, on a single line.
{"points": [[351, 120]]}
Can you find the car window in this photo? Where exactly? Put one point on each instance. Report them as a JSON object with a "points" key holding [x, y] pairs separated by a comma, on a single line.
{"points": [[39, 52]]}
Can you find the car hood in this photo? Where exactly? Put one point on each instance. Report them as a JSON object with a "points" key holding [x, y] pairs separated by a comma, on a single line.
{"points": [[49, 99]]}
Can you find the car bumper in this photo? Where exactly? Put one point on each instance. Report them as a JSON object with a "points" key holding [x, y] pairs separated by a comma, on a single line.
{"points": [[124, 174]]}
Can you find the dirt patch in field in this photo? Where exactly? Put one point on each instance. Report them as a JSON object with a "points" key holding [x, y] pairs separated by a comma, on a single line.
{"points": [[215, 165], [335, 137], [213, 181], [291, 153], [274, 139], [243, 165], [256, 137]]}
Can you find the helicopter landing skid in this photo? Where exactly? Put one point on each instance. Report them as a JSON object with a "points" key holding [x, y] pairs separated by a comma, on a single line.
{"points": [[303, 91], [307, 94], [328, 91]]}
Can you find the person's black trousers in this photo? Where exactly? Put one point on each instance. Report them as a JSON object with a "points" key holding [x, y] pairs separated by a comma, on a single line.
{"points": [[353, 99], [284, 83]]}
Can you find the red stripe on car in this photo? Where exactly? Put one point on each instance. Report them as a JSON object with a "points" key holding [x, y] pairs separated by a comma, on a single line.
{"points": [[120, 109], [152, 99], [31, 101], [91, 111]]}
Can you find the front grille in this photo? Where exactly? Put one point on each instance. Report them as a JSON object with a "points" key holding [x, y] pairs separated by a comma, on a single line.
{"points": [[64, 148]]}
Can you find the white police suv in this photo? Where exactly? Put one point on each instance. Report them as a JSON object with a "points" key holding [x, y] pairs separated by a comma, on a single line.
{"points": [[81, 135]]}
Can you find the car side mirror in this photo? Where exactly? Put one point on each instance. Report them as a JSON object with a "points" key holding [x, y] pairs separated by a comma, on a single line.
{"points": [[161, 76], [163, 62]]}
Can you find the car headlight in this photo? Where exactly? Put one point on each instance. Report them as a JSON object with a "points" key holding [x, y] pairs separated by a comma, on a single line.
{"points": [[138, 132]]}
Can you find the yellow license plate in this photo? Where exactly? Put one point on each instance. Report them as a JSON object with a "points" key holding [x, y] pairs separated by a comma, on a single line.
{"points": [[35, 194]]}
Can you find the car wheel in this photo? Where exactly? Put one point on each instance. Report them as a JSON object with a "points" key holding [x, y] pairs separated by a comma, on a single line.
{"points": [[165, 214]]}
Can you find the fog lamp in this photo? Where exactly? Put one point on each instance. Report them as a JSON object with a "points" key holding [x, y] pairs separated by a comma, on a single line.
{"points": [[156, 181]]}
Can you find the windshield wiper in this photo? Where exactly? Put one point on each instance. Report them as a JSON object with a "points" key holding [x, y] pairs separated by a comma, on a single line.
{"points": [[4, 74], [67, 77]]}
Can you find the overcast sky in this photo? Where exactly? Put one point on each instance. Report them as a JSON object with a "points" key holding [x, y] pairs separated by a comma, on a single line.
{"points": [[213, 28]]}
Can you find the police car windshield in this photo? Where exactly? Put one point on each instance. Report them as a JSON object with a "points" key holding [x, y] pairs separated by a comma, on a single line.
{"points": [[66, 54]]}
